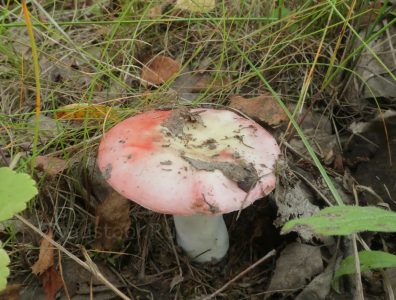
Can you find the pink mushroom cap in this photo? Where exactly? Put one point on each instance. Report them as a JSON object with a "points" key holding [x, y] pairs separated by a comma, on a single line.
{"points": [[185, 162]]}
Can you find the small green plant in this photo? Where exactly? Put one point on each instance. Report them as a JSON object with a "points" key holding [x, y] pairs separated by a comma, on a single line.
{"points": [[16, 189], [345, 220]]}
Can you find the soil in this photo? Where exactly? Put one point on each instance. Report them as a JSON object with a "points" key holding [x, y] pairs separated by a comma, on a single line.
{"points": [[244, 175]]}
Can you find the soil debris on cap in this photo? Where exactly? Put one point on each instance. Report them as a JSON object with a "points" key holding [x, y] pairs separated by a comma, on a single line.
{"points": [[210, 143], [178, 118], [245, 175]]}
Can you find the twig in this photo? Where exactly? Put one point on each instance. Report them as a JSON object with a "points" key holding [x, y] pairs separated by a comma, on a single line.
{"points": [[86, 266], [62, 277], [173, 247], [251, 267], [358, 276]]}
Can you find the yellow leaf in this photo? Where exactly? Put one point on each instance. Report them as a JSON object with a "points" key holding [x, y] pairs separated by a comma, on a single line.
{"points": [[199, 6], [81, 111]]}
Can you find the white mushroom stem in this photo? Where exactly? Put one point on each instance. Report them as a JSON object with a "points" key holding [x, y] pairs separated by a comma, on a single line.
{"points": [[203, 237]]}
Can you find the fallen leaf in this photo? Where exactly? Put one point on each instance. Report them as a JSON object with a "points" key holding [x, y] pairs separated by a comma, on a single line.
{"points": [[11, 292], [81, 283], [296, 265], [112, 221], [324, 144], [370, 78], [194, 82], [81, 111], [51, 165], [199, 6], [155, 12], [320, 286], [52, 283], [159, 69], [263, 108], [208, 83], [46, 256], [49, 128], [294, 200]]}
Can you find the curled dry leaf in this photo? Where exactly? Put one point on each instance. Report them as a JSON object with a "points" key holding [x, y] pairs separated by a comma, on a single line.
{"points": [[51, 165], [46, 256], [263, 108], [159, 69], [112, 221], [81, 111]]}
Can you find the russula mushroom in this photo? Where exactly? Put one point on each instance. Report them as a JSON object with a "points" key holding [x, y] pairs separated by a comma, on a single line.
{"points": [[195, 164]]}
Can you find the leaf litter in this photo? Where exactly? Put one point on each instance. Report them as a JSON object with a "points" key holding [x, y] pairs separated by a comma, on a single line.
{"points": [[295, 267], [159, 70], [262, 108], [46, 256], [112, 221]]}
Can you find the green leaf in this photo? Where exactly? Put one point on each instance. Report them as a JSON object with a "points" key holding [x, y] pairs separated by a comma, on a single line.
{"points": [[4, 271], [16, 189], [368, 260], [344, 220]]}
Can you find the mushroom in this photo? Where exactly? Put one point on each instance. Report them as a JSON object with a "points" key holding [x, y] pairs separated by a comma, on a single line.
{"points": [[196, 164]]}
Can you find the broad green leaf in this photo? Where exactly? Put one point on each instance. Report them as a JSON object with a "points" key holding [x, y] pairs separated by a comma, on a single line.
{"points": [[368, 260], [199, 6], [16, 189], [344, 220], [4, 271]]}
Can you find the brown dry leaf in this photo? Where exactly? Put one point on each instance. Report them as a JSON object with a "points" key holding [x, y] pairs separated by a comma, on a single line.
{"points": [[52, 283], [263, 108], [46, 256], [81, 111], [11, 292], [207, 83], [51, 165], [159, 69], [155, 12], [112, 221]]}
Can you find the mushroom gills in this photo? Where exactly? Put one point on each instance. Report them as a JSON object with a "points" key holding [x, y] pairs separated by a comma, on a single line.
{"points": [[203, 237]]}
